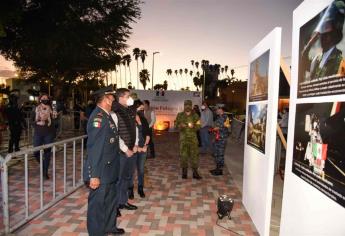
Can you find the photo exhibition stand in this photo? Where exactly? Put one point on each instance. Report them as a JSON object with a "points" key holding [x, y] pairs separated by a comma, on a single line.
{"points": [[313, 197], [261, 130]]}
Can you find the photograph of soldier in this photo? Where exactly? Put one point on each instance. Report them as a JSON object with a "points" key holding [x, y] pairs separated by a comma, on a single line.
{"points": [[319, 150], [256, 135], [258, 80], [102, 167], [321, 47], [188, 122]]}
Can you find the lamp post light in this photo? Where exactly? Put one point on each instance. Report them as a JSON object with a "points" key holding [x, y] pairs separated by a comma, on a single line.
{"points": [[153, 66], [232, 100]]}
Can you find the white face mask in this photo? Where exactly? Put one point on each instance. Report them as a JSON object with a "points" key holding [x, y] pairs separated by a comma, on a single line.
{"points": [[203, 107], [130, 102]]}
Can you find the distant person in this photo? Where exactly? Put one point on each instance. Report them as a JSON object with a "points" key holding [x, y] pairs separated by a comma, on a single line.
{"points": [[206, 121], [150, 116], [221, 126], [187, 122], [85, 115], [44, 130], [16, 122], [283, 122]]}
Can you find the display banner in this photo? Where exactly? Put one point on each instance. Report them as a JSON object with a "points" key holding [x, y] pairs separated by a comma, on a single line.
{"points": [[314, 188], [259, 151], [167, 104]]}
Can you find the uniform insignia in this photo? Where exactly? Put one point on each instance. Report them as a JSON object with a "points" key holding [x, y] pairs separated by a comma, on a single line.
{"points": [[227, 122], [198, 122], [96, 124], [112, 140], [97, 119]]}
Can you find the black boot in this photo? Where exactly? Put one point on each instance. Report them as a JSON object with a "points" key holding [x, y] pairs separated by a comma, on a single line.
{"points": [[130, 193], [196, 174], [141, 191], [217, 171], [184, 173], [118, 213]]}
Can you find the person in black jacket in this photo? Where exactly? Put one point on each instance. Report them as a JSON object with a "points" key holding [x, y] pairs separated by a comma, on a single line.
{"points": [[16, 123], [143, 142]]}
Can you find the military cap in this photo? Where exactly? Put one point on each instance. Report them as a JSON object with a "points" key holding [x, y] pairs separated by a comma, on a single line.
{"points": [[333, 18], [188, 103], [104, 91], [134, 96]]}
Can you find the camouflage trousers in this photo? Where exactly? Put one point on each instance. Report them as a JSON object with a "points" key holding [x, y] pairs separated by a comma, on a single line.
{"points": [[219, 150], [189, 153]]}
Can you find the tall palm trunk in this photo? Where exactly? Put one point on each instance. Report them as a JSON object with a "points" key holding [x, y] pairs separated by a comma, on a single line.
{"points": [[137, 74]]}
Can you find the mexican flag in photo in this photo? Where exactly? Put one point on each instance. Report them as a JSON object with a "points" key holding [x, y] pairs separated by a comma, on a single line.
{"points": [[320, 151]]}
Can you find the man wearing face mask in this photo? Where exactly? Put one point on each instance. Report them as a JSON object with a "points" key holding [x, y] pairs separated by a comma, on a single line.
{"points": [[187, 122], [128, 144], [102, 167], [206, 120]]}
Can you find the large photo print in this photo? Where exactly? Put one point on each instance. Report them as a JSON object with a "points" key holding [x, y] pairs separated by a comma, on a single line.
{"points": [[319, 147], [256, 133], [321, 53], [258, 81]]}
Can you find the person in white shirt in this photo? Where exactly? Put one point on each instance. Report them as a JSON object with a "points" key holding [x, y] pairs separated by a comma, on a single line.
{"points": [[150, 116], [206, 120]]}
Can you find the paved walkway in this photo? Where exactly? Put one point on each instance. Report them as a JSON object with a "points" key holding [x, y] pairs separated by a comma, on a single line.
{"points": [[172, 206]]}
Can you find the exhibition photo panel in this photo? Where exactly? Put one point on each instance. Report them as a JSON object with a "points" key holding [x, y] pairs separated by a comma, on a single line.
{"points": [[256, 133], [258, 83], [321, 47]]}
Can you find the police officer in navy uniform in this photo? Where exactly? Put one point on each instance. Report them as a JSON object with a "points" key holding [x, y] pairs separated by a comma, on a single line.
{"points": [[101, 170]]}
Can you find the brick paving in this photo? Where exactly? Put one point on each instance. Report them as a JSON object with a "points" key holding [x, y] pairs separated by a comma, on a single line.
{"points": [[172, 206]]}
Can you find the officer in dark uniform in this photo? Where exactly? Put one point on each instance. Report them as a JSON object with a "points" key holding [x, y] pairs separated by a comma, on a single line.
{"points": [[101, 170], [16, 122]]}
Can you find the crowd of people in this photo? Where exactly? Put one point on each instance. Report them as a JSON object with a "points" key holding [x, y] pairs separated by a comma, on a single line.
{"points": [[120, 138]]}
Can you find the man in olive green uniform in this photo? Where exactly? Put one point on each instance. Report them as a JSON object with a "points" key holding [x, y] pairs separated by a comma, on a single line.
{"points": [[187, 122]]}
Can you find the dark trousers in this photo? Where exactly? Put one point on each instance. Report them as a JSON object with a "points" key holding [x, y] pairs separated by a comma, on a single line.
{"points": [[127, 166], [41, 140], [15, 133], [151, 144], [101, 210]]}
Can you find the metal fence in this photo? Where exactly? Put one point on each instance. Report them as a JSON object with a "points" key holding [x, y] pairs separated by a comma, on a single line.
{"points": [[25, 193]]}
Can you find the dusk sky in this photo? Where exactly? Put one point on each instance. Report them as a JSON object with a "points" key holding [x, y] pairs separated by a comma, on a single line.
{"points": [[221, 31]]}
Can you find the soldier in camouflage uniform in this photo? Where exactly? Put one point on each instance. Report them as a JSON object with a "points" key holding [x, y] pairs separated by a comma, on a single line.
{"points": [[329, 31], [187, 122], [221, 130]]}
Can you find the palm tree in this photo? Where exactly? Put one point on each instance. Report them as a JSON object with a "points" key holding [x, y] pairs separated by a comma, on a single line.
{"points": [[124, 65], [226, 69], [143, 55], [192, 62], [232, 73], [197, 65], [198, 74], [186, 72], [144, 77], [222, 70], [169, 72], [136, 54], [127, 61], [191, 74]]}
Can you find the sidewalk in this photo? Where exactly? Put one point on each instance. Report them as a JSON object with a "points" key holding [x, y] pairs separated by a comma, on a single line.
{"points": [[172, 206]]}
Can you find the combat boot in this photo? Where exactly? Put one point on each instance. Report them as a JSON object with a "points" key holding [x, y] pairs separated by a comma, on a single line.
{"points": [[141, 191], [184, 173], [130, 193], [196, 174]]}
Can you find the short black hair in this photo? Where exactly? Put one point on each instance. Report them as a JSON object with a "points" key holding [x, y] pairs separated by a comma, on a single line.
{"points": [[137, 103], [121, 92], [147, 102]]}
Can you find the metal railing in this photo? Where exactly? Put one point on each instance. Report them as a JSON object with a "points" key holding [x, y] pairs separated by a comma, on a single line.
{"points": [[65, 166]]}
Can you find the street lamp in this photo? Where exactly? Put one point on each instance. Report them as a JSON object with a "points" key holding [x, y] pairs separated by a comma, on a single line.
{"points": [[232, 100], [153, 65]]}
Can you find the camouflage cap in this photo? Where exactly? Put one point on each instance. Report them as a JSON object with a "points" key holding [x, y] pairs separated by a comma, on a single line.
{"points": [[188, 103]]}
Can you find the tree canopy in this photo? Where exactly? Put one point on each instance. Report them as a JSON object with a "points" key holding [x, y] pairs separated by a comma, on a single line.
{"points": [[65, 39]]}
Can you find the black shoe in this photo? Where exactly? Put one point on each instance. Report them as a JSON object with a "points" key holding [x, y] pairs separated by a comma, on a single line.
{"points": [[117, 231], [213, 171], [46, 176], [128, 206], [141, 192], [217, 172], [196, 174], [130, 193], [118, 213], [184, 173]]}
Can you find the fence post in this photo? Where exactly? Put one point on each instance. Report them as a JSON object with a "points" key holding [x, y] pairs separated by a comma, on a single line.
{"points": [[4, 185]]}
